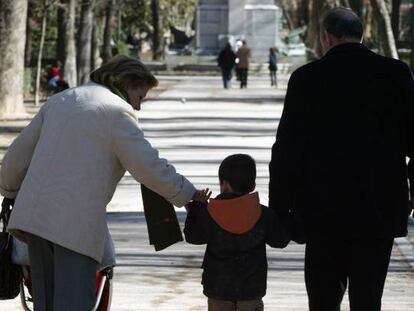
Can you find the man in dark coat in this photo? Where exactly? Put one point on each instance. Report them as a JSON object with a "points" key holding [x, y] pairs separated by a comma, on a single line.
{"points": [[339, 161], [226, 61]]}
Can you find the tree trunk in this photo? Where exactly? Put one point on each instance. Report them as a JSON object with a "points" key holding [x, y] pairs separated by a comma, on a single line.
{"points": [[28, 45], [40, 53], [304, 12], [107, 47], [95, 55], [288, 18], [395, 19], [85, 40], [68, 42], [383, 20], [290, 12], [332, 3], [118, 24], [61, 33], [368, 21], [357, 6], [157, 36], [12, 41], [313, 41]]}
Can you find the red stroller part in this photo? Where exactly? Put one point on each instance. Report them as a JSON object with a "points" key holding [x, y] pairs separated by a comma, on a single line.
{"points": [[103, 289]]}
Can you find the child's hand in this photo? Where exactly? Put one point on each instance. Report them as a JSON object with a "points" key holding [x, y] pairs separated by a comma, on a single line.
{"points": [[202, 196]]}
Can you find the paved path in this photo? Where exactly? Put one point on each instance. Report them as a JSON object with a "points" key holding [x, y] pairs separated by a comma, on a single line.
{"points": [[195, 124]]}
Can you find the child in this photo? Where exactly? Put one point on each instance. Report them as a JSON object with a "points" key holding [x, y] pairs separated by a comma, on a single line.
{"points": [[273, 66], [236, 229]]}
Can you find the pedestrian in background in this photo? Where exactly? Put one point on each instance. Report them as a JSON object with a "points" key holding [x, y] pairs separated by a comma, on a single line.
{"points": [[243, 55], [236, 47], [339, 159], [55, 81], [273, 66], [226, 61]]}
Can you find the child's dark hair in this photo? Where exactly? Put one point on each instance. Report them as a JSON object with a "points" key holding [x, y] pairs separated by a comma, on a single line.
{"points": [[240, 172]]}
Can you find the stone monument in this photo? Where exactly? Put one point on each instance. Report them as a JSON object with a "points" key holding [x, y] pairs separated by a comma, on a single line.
{"points": [[220, 21]]}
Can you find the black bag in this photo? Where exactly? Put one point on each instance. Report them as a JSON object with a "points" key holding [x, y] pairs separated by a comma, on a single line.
{"points": [[10, 275]]}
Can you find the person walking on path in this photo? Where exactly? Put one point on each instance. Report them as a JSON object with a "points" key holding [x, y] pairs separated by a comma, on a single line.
{"points": [[273, 66], [236, 229], [339, 164], [237, 46], [63, 170], [243, 55], [226, 61]]}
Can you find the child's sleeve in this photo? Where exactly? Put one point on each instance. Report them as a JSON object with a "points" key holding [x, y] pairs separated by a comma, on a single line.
{"points": [[195, 230], [278, 229]]}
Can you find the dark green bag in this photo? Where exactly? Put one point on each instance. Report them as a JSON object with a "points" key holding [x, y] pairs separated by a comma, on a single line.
{"points": [[10, 275], [162, 223]]}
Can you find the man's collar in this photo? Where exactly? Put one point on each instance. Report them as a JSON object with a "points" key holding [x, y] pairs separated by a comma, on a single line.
{"points": [[346, 47]]}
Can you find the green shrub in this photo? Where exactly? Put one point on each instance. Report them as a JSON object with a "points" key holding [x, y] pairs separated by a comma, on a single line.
{"points": [[121, 48]]}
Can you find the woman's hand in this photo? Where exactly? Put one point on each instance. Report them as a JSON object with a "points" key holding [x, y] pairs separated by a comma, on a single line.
{"points": [[202, 196]]}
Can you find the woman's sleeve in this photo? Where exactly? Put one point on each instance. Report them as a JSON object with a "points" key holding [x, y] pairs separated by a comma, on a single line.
{"points": [[19, 154], [139, 158]]}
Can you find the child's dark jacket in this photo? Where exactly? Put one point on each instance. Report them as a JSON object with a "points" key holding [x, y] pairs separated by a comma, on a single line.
{"points": [[236, 230]]}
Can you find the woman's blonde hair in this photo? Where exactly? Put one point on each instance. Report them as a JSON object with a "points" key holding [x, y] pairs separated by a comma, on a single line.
{"points": [[125, 72]]}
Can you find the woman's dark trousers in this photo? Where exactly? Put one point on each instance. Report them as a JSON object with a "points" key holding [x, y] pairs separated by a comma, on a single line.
{"points": [[243, 77], [62, 280], [331, 264]]}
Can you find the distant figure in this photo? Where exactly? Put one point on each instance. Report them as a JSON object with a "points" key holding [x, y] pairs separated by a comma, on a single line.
{"points": [[53, 74], [133, 39], [226, 63], [55, 82], [237, 46], [236, 229], [273, 66], [243, 55]]}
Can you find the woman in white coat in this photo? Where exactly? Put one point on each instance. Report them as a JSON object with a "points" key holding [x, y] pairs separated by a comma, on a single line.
{"points": [[63, 170]]}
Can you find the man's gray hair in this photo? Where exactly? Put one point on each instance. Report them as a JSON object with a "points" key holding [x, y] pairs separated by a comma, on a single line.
{"points": [[342, 23]]}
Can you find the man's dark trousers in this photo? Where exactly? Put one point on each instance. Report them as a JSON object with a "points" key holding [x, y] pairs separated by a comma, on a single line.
{"points": [[226, 75], [330, 264]]}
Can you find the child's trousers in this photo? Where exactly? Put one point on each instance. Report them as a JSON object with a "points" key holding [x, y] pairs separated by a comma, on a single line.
{"points": [[226, 305]]}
